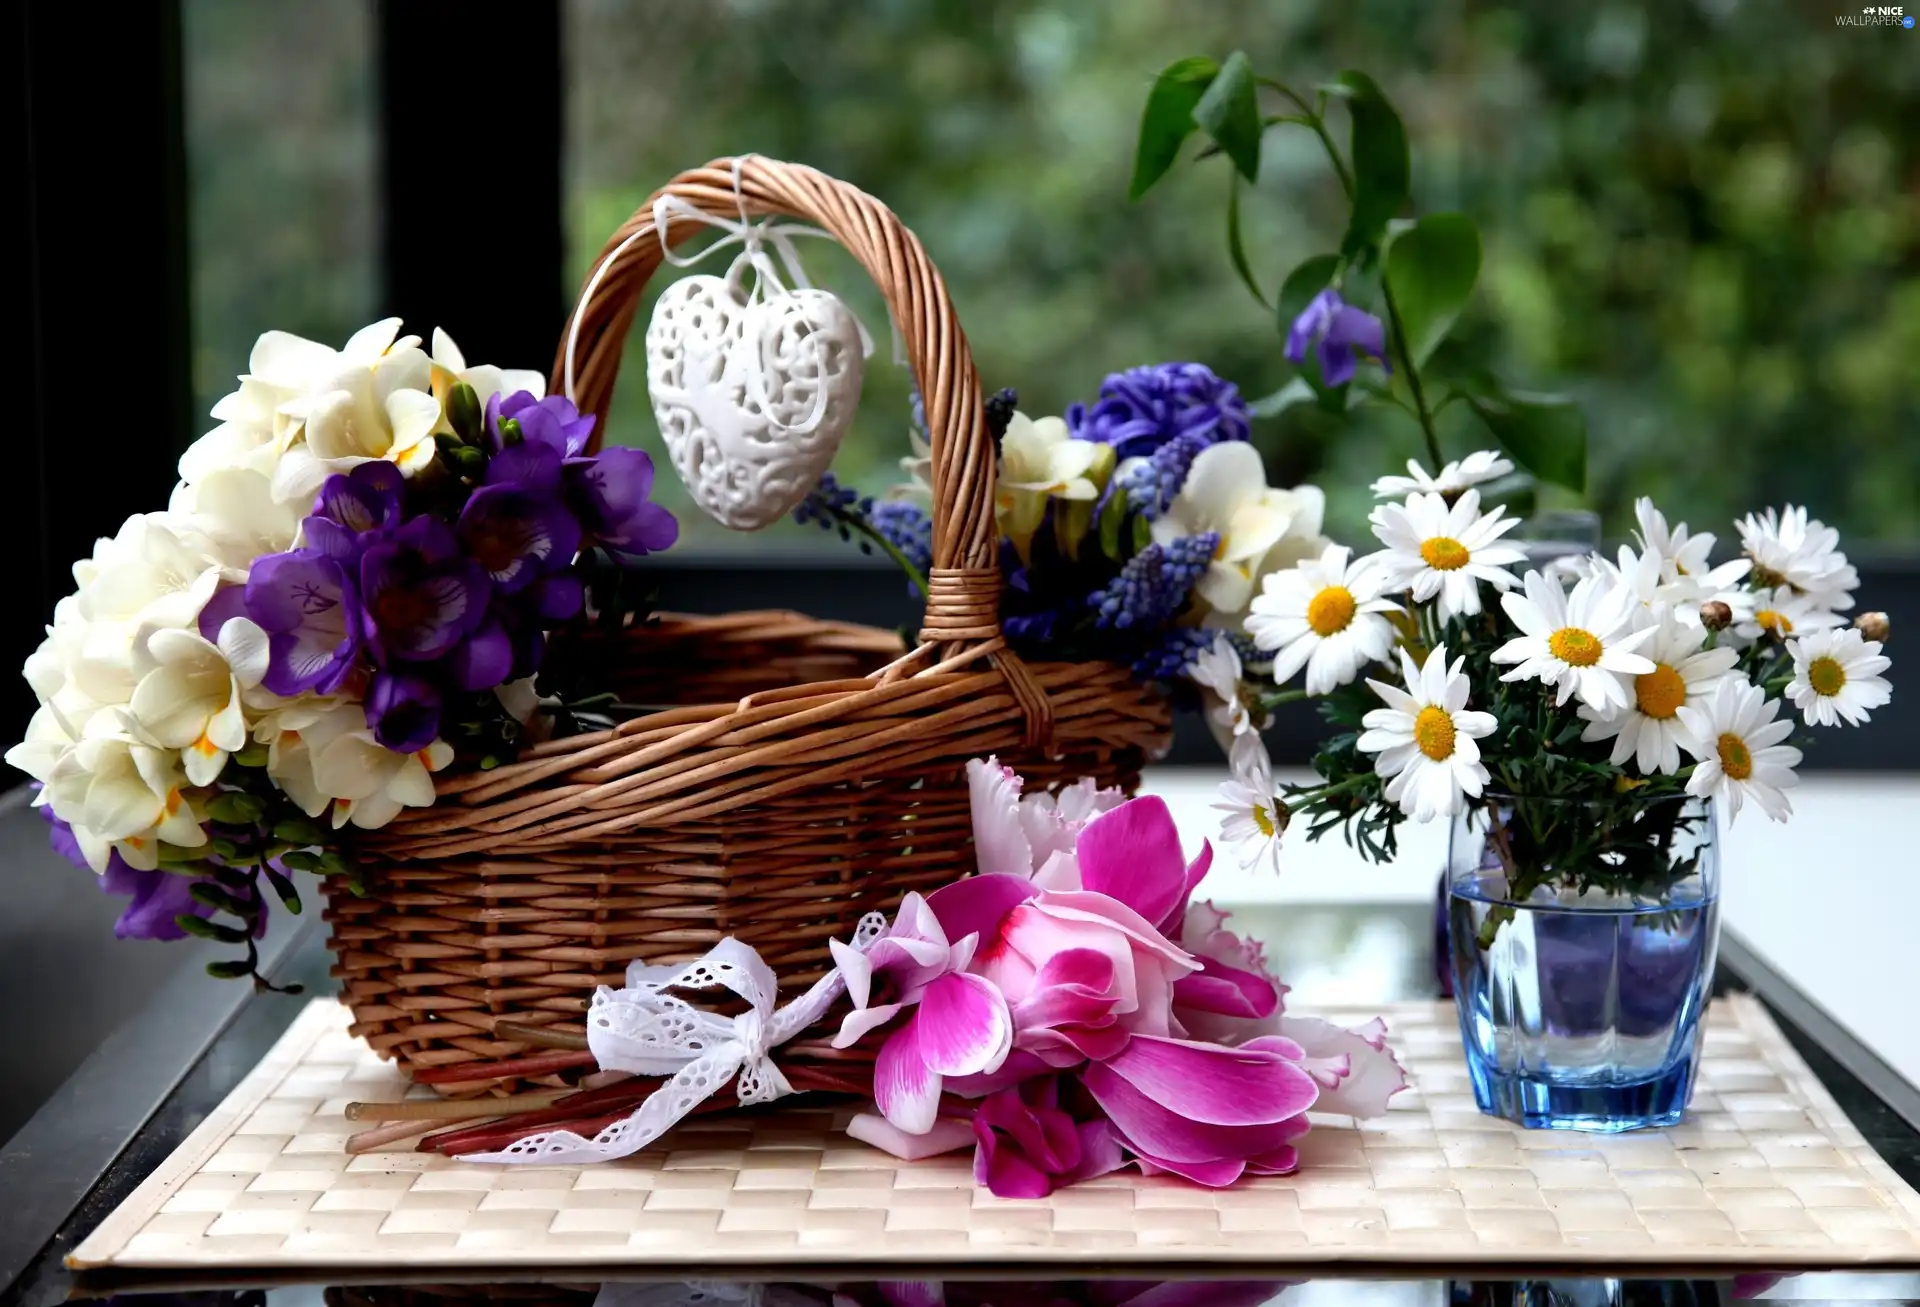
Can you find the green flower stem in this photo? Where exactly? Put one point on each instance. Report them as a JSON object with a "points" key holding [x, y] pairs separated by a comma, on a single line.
{"points": [[858, 522], [1413, 377], [1311, 118], [1328, 791], [1268, 703], [1778, 685]]}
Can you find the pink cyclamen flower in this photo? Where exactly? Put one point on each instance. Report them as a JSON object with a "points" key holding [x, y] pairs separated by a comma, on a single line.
{"points": [[1030, 835], [959, 1024], [1028, 1143]]}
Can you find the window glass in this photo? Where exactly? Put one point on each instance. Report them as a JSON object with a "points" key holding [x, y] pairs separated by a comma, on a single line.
{"points": [[1700, 215], [281, 127]]}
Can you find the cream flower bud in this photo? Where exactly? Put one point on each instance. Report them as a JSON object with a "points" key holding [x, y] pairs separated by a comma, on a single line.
{"points": [[1715, 615], [1874, 626]]}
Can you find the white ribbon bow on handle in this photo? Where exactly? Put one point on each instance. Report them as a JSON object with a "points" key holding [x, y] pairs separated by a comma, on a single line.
{"points": [[649, 1031]]}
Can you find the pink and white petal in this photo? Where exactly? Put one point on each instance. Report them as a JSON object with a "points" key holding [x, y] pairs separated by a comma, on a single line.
{"points": [[1061, 871], [860, 1022], [976, 905], [963, 1026], [905, 1088], [1228, 991], [1133, 854], [855, 969], [946, 1136], [1020, 1065], [1100, 1152], [1211, 1085], [1073, 987], [1374, 1074], [999, 843]]}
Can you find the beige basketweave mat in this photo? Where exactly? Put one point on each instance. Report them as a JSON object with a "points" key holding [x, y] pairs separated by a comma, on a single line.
{"points": [[1764, 1172]]}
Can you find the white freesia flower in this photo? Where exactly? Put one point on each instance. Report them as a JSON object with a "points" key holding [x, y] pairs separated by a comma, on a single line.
{"points": [[50, 737], [1325, 615], [369, 783], [1648, 730], [119, 791], [191, 701], [1443, 553], [1793, 551], [239, 519], [917, 467], [1218, 673], [156, 574], [450, 368], [360, 413], [1482, 465], [1040, 461], [1782, 614], [1836, 677], [294, 731], [1426, 738], [1737, 740], [1252, 818], [1581, 643], [1226, 493]]}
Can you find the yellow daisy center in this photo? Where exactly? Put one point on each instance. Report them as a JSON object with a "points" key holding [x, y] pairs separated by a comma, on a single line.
{"points": [[1433, 733], [1775, 621], [1735, 761], [1262, 820], [1826, 676], [1575, 647], [1444, 554], [1660, 692], [1330, 611]]}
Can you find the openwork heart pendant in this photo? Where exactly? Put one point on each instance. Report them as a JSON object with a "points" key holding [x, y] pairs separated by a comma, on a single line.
{"points": [[753, 388]]}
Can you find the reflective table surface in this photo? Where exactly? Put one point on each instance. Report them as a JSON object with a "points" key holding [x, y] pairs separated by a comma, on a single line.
{"points": [[95, 1142]]}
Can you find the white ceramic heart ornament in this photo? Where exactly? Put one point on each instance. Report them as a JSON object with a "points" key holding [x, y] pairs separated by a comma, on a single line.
{"points": [[753, 387]]}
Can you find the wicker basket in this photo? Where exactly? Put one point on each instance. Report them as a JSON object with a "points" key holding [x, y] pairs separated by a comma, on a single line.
{"points": [[812, 772]]}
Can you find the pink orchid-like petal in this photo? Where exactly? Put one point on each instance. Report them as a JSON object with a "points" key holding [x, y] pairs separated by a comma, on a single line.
{"points": [[1165, 1136], [1030, 1116], [946, 1136], [1229, 991], [1133, 854], [1004, 1170], [963, 1027], [978, 904], [1284, 1160], [1074, 987], [1106, 911], [1100, 1151], [1000, 845], [1170, 925], [1020, 1065], [1214, 1175], [905, 1088], [1373, 1075], [860, 1022], [1211, 1085], [1061, 871]]}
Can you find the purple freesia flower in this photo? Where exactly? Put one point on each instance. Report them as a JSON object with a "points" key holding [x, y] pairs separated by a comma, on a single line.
{"points": [[1339, 333], [485, 658], [403, 708], [353, 506], [419, 594], [611, 493], [228, 602], [516, 533], [1143, 408], [553, 422], [157, 896], [305, 602]]}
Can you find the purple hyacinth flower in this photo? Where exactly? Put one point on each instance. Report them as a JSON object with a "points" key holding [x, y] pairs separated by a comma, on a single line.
{"points": [[403, 708], [516, 535], [611, 493], [420, 595], [553, 422], [305, 602], [1341, 333], [485, 658], [1142, 409]]}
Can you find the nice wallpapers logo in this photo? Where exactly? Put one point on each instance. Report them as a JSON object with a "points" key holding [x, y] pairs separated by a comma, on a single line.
{"points": [[1876, 16]]}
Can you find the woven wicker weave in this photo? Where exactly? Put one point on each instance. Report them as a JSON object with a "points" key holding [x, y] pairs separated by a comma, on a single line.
{"points": [[804, 773]]}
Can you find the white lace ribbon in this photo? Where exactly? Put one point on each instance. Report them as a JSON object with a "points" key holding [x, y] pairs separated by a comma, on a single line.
{"points": [[649, 1031]]}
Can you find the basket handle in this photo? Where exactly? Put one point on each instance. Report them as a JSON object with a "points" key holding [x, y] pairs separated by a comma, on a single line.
{"points": [[963, 586]]}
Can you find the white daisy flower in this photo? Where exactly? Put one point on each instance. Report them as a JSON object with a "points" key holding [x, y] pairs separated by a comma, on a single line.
{"points": [[1790, 549], [1484, 465], [1648, 731], [1581, 643], [1426, 738], [1836, 677], [1685, 558], [1445, 552], [1252, 818], [1737, 740], [1218, 673], [1324, 615], [1782, 614]]}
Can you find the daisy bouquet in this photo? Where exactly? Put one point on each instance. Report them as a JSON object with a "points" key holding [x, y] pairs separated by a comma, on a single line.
{"points": [[350, 590], [1070, 1010]]}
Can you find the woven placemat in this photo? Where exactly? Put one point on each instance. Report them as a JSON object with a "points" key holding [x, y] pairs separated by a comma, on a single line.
{"points": [[1765, 1171]]}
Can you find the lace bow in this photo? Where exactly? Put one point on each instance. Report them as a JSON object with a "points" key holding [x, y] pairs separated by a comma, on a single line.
{"points": [[650, 1031]]}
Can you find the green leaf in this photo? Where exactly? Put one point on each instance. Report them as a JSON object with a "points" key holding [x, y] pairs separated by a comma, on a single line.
{"points": [[302, 861], [1546, 434], [1431, 269], [1142, 534], [230, 970], [289, 896], [236, 809], [1301, 285], [1112, 518], [1297, 391], [1168, 119], [1229, 112], [1381, 172], [205, 929], [1236, 248]]}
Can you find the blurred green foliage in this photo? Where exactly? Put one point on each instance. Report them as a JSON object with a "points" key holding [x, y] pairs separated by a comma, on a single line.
{"points": [[1702, 217]]}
